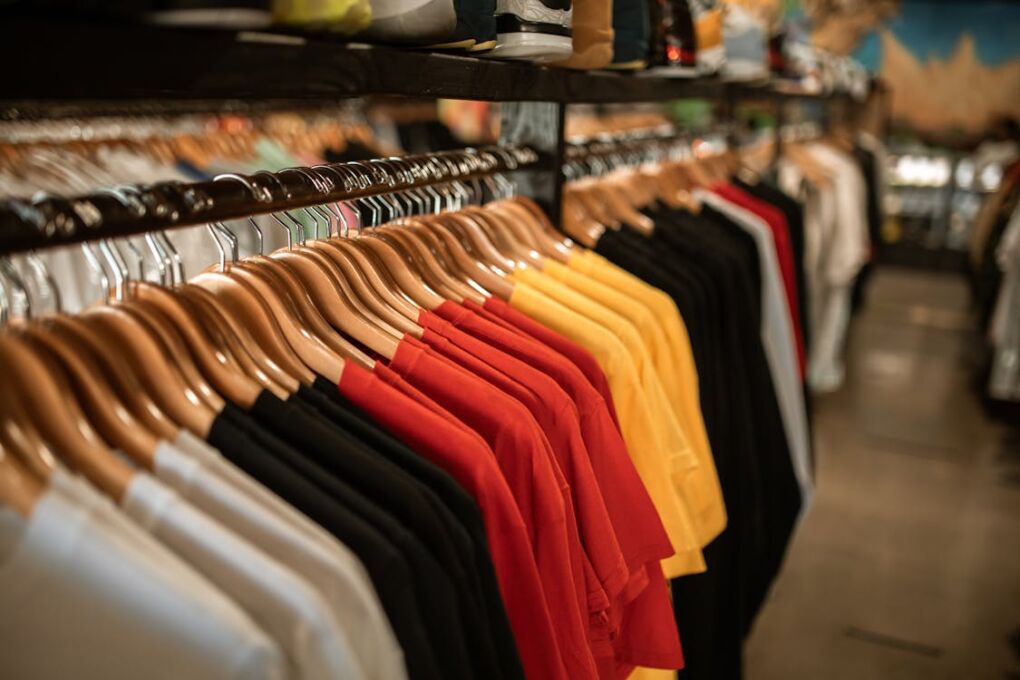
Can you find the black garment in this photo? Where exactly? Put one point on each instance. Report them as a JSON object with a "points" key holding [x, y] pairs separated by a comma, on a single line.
{"points": [[390, 572], [448, 534], [711, 269], [327, 399], [381, 494]]}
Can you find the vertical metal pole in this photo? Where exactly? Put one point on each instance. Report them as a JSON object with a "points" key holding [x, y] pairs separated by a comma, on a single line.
{"points": [[777, 151], [540, 126]]}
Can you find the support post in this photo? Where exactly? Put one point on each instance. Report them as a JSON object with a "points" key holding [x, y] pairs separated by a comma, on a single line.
{"points": [[540, 126]]}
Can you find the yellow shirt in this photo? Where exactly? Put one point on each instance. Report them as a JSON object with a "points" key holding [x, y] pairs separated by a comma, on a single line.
{"points": [[656, 463], [680, 383]]}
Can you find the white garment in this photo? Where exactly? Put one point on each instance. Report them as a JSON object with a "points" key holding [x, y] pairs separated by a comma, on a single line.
{"points": [[778, 339], [280, 601], [330, 568], [1004, 330], [79, 599]]}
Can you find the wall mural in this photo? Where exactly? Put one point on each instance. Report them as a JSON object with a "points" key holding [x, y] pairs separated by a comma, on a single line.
{"points": [[952, 65]]}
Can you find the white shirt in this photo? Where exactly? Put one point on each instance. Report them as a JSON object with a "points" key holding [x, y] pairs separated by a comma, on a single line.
{"points": [[778, 340], [280, 601], [329, 567], [80, 599]]}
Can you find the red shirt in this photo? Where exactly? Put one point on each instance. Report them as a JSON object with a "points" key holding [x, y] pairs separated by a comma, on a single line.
{"points": [[520, 450], [784, 251], [471, 462], [589, 592], [642, 537], [580, 357], [557, 414]]}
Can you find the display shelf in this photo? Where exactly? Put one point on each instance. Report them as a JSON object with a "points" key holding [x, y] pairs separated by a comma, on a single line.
{"points": [[64, 68]]}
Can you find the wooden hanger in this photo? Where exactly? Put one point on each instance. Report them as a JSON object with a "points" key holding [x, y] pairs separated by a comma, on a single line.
{"points": [[425, 262], [109, 415], [394, 265], [256, 307], [330, 298], [169, 341], [374, 274], [461, 280], [147, 360], [533, 220], [474, 240], [20, 490], [503, 229], [52, 409], [389, 305], [577, 223], [342, 277], [128, 386], [248, 353], [307, 317], [20, 437], [481, 274], [216, 363]]}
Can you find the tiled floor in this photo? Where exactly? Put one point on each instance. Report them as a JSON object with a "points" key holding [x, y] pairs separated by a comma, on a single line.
{"points": [[908, 565]]}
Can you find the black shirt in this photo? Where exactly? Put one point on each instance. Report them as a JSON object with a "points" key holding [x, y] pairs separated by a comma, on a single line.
{"points": [[390, 572], [333, 405], [340, 467]]}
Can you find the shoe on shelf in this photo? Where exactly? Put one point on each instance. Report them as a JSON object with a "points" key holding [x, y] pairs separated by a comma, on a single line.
{"points": [[708, 32], [476, 27], [630, 35], [746, 42], [674, 41], [534, 30], [412, 22]]}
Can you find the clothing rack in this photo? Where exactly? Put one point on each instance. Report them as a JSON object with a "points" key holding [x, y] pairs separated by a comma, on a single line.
{"points": [[281, 67], [51, 221]]}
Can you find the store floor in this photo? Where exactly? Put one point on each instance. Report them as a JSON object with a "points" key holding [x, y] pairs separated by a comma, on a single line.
{"points": [[908, 565]]}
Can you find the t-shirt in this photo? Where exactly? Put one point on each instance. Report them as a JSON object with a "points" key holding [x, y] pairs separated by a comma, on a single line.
{"points": [[673, 367], [282, 603], [80, 599], [322, 456], [469, 460], [522, 453], [337, 575], [414, 504], [327, 400], [557, 414], [390, 572], [578, 355], [654, 464]]}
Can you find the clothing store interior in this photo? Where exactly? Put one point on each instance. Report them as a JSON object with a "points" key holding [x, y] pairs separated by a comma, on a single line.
{"points": [[510, 340]]}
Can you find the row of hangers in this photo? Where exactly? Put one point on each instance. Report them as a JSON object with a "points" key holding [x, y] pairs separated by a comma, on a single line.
{"points": [[156, 357], [611, 180]]}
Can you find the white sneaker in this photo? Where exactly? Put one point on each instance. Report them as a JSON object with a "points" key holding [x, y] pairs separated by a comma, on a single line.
{"points": [[536, 30]]}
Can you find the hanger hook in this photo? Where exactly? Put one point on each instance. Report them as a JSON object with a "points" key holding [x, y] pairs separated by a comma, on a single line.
{"points": [[259, 194], [17, 283]]}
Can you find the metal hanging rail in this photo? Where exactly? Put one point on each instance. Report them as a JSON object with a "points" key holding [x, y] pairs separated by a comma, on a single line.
{"points": [[46, 221]]}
